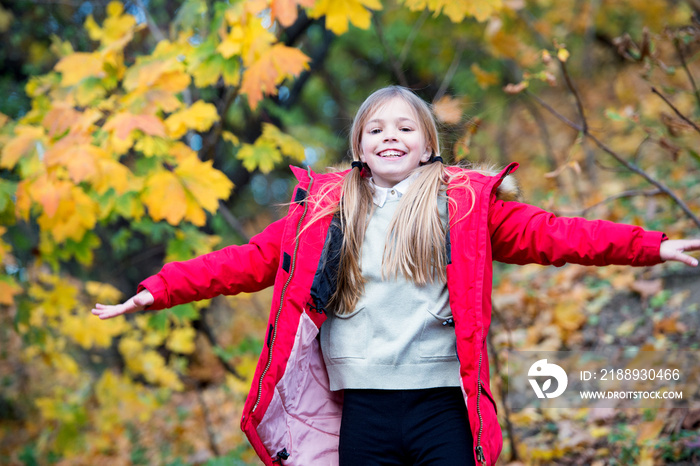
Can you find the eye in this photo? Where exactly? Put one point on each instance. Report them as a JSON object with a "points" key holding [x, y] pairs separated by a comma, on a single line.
{"points": [[406, 129], [374, 131]]}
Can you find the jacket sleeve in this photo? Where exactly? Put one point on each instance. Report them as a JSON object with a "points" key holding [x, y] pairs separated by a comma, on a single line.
{"points": [[233, 269], [522, 234]]}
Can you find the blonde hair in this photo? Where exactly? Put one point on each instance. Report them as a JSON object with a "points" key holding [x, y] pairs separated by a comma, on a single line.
{"points": [[415, 243]]}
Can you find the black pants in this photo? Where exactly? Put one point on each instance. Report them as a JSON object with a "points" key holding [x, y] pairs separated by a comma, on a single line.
{"points": [[405, 427]]}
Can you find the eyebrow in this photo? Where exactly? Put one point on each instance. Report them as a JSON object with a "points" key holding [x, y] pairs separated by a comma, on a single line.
{"points": [[379, 120]]}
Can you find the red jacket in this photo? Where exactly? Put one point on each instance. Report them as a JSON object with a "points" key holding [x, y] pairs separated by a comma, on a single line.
{"points": [[290, 416]]}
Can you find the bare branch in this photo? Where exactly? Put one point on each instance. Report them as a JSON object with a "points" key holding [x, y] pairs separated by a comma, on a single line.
{"points": [[412, 36], [395, 64], [673, 107], [450, 71], [679, 49], [630, 193], [630, 166], [572, 88], [152, 26], [207, 422], [232, 221]]}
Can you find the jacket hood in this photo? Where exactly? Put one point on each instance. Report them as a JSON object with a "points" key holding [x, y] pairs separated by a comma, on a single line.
{"points": [[508, 190]]}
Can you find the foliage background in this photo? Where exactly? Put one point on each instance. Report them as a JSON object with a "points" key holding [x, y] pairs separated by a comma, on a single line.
{"points": [[138, 133]]}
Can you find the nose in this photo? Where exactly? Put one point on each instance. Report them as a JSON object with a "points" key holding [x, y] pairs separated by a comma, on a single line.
{"points": [[389, 135]]}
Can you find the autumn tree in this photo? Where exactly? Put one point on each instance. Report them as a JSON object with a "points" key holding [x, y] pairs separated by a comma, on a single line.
{"points": [[150, 132]]}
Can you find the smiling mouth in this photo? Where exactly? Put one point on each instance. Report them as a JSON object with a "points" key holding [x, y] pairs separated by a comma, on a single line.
{"points": [[391, 154]]}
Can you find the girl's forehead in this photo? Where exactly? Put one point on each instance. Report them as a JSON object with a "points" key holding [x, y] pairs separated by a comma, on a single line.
{"points": [[392, 108]]}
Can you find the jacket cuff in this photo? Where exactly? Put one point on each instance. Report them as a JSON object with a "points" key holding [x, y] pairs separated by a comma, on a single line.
{"points": [[157, 287], [650, 248]]}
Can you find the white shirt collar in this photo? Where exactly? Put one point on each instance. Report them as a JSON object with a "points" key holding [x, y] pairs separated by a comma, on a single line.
{"points": [[380, 194]]}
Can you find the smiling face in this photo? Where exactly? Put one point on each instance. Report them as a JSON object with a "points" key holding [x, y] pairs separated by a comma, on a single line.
{"points": [[393, 142]]}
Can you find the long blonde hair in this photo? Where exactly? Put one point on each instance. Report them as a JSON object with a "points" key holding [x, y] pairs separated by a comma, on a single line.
{"points": [[415, 243]]}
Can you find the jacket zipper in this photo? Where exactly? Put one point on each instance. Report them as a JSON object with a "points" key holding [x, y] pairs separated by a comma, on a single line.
{"points": [[284, 291], [479, 449]]}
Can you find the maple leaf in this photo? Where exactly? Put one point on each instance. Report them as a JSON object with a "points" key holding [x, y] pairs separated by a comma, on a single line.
{"points": [[285, 11], [60, 118], [278, 63], [483, 78], [74, 215], [448, 110], [80, 65], [103, 292], [206, 184], [26, 138], [200, 116], [165, 197], [457, 10], [286, 143], [124, 123], [339, 13], [181, 340], [263, 155], [8, 290]]}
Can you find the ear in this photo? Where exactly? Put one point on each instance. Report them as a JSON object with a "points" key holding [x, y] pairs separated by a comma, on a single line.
{"points": [[426, 155]]}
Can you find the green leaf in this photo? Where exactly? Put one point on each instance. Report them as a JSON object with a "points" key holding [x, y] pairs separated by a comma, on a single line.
{"points": [[184, 312]]}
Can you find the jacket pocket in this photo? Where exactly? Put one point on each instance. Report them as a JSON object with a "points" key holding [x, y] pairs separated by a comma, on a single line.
{"points": [[348, 335]]}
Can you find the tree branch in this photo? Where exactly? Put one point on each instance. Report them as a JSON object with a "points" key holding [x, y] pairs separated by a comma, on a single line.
{"points": [[630, 166], [630, 193], [679, 49], [412, 35], [207, 421], [450, 71], [395, 65], [673, 107]]}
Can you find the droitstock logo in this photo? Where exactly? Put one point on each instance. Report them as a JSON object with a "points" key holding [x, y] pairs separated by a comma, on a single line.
{"points": [[542, 369]]}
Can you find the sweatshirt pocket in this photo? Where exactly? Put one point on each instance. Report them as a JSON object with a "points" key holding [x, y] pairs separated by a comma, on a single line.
{"points": [[437, 338], [348, 335]]}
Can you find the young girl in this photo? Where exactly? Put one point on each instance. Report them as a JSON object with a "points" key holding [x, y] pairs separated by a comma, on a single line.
{"points": [[376, 345]]}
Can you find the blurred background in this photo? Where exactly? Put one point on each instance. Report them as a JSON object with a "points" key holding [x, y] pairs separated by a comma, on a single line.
{"points": [[136, 133]]}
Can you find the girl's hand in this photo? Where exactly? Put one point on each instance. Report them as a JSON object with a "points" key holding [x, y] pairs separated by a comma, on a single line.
{"points": [[134, 304], [673, 249]]}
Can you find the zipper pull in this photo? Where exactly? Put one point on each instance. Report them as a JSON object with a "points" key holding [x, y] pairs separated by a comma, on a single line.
{"points": [[480, 454]]}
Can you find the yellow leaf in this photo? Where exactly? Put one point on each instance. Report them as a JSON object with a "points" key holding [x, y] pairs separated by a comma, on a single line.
{"points": [[5, 19], [286, 143], [448, 110], [181, 340], [200, 116], [206, 184], [78, 66], [278, 63], [568, 315], [263, 155], [165, 197], [26, 138], [484, 78], [563, 54], [68, 211], [458, 10], [103, 292], [339, 13], [285, 11], [112, 174], [230, 137]]}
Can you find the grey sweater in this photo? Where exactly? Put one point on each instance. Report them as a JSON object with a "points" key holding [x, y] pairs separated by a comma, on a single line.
{"points": [[395, 337]]}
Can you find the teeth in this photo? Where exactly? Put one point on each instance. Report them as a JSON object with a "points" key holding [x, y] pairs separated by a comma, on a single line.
{"points": [[391, 153]]}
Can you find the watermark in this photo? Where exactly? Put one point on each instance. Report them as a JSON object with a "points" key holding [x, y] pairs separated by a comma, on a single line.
{"points": [[613, 377]]}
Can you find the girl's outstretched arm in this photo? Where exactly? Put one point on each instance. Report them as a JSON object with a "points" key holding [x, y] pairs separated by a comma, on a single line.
{"points": [[673, 250], [134, 304]]}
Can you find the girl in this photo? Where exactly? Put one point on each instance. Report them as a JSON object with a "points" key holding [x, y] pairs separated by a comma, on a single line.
{"points": [[394, 258]]}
